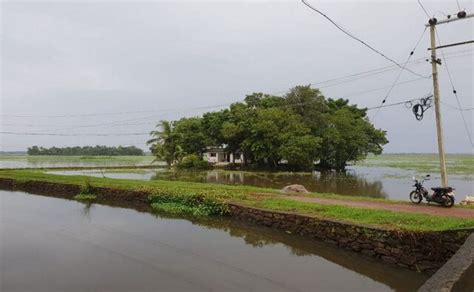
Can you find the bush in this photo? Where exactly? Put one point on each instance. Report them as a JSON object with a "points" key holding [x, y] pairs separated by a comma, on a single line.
{"points": [[193, 161], [87, 187], [195, 203]]}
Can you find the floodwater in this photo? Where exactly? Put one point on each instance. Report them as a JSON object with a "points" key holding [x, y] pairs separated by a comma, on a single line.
{"points": [[367, 181], [25, 161], [52, 244]]}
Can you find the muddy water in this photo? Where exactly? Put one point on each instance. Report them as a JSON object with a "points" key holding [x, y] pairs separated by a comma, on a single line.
{"points": [[51, 244], [373, 181]]}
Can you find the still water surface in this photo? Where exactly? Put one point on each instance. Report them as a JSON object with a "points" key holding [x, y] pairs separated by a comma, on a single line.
{"points": [[51, 244], [367, 181]]}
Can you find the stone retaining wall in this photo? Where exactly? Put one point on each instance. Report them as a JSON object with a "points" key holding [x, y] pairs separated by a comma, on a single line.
{"points": [[423, 251]]}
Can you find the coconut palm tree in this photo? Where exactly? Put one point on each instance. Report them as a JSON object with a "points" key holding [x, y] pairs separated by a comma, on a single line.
{"points": [[163, 143]]}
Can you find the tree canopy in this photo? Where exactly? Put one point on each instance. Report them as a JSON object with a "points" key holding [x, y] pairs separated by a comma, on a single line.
{"points": [[297, 130]]}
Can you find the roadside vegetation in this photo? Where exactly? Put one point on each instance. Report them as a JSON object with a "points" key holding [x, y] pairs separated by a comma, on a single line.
{"points": [[205, 199]]}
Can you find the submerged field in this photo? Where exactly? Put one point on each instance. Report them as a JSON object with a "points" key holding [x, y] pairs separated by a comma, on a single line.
{"points": [[386, 176], [460, 164], [28, 161]]}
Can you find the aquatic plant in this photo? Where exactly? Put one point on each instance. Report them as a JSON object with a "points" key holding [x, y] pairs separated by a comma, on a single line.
{"points": [[197, 203], [87, 188]]}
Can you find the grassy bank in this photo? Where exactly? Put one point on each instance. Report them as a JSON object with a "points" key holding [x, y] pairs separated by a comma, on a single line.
{"points": [[211, 199]]}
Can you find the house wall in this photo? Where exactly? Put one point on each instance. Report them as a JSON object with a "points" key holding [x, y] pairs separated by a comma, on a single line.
{"points": [[219, 157]]}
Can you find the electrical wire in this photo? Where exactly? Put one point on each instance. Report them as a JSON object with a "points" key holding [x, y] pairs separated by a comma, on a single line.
{"points": [[457, 108], [390, 104], [455, 93], [323, 83], [400, 72], [423, 7], [70, 135], [345, 31]]}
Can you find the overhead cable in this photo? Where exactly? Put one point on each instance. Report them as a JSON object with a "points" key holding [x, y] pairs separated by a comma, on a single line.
{"points": [[345, 31]]}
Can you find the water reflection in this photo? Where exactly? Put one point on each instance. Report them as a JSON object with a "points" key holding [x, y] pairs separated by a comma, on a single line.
{"points": [[260, 237], [330, 182], [376, 182]]}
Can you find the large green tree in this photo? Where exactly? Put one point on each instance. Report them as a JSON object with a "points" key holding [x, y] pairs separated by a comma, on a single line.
{"points": [[189, 135], [349, 136], [298, 130]]}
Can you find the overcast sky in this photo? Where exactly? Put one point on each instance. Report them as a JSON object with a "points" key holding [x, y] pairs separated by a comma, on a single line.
{"points": [[61, 63]]}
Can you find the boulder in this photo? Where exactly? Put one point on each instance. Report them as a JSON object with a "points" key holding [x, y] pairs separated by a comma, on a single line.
{"points": [[468, 201], [295, 189]]}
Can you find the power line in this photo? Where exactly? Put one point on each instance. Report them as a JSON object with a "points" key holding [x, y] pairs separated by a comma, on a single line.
{"points": [[392, 104], [457, 108], [423, 7], [345, 31], [400, 72], [69, 135], [381, 88], [109, 124], [367, 73], [455, 93]]}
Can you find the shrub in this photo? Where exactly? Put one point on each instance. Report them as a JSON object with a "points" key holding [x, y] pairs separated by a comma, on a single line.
{"points": [[87, 187], [193, 161], [197, 204]]}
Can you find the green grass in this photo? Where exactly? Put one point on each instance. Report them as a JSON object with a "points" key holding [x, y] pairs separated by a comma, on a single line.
{"points": [[423, 163], [205, 199], [370, 217]]}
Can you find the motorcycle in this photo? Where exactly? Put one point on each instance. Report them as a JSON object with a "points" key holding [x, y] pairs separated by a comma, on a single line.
{"points": [[440, 195]]}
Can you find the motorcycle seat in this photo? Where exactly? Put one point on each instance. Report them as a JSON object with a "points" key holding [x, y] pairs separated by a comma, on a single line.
{"points": [[443, 189]]}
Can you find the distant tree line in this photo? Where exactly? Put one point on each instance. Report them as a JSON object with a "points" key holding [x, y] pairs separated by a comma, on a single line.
{"points": [[297, 130], [86, 150]]}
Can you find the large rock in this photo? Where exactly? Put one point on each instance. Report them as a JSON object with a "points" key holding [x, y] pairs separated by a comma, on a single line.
{"points": [[468, 201], [295, 189]]}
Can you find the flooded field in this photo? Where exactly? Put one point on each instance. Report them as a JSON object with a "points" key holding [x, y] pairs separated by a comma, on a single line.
{"points": [[25, 161], [368, 181], [51, 244], [386, 176]]}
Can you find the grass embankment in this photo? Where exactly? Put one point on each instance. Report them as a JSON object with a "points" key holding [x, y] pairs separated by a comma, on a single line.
{"points": [[211, 199]]}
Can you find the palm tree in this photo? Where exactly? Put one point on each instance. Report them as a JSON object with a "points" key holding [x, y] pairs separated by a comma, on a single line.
{"points": [[163, 143]]}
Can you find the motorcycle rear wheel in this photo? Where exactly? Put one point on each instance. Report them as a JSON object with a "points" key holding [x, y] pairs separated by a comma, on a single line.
{"points": [[448, 201], [415, 197]]}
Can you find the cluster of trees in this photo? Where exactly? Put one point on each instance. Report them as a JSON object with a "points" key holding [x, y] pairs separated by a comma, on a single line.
{"points": [[297, 130], [86, 150]]}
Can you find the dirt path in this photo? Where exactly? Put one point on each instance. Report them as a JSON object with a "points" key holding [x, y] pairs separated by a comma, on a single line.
{"points": [[432, 209]]}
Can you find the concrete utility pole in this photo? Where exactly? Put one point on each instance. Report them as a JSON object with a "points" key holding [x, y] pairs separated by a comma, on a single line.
{"points": [[434, 66]]}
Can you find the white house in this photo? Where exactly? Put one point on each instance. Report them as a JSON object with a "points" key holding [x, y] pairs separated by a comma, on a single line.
{"points": [[217, 154]]}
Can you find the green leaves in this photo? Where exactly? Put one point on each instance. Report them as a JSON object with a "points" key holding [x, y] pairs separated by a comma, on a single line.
{"points": [[296, 130]]}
